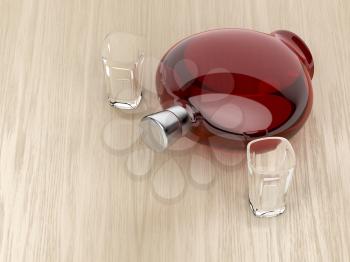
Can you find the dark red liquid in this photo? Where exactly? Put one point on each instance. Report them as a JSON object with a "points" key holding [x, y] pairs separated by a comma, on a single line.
{"points": [[243, 83]]}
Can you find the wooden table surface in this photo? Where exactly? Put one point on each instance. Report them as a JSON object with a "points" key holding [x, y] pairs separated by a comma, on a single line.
{"points": [[78, 185]]}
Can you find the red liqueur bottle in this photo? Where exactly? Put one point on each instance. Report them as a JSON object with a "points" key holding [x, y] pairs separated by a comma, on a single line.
{"points": [[231, 86]]}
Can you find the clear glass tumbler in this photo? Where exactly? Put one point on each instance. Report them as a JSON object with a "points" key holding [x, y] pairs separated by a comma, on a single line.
{"points": [[271, 163], [123, 61]]}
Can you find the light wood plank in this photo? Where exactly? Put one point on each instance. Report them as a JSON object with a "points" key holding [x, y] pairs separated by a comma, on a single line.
{"points": [[73, 187]]}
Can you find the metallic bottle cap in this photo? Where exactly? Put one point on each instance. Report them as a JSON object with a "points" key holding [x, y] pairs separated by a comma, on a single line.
{"points": [[160, 130]]}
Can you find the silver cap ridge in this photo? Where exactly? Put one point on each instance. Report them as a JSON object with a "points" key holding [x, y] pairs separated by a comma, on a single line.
{"points": [[160, 130]]}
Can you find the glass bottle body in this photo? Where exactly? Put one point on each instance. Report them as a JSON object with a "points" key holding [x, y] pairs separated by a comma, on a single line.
{"points": [[241, 84]]}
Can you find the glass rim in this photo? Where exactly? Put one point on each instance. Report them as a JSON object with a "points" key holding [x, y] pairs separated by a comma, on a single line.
{"points": [[140, 39], [282, 139]]}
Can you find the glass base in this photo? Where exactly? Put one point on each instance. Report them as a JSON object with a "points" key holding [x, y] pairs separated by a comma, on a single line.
{"points": [[266, 213], [126, 105]]}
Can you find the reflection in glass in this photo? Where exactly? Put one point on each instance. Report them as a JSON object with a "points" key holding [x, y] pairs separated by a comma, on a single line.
{"points": [[123, 59], [271, 163]]}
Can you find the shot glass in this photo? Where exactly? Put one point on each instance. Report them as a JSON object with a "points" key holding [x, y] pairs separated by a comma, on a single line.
{"points": [[271, 164], [123, 62]]}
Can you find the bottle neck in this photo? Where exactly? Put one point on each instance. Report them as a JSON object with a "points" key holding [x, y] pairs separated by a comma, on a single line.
{"points": [[160, 130]]}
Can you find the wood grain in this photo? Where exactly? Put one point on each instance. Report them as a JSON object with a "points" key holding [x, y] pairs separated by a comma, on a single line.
{"points": [[78, 185]]}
